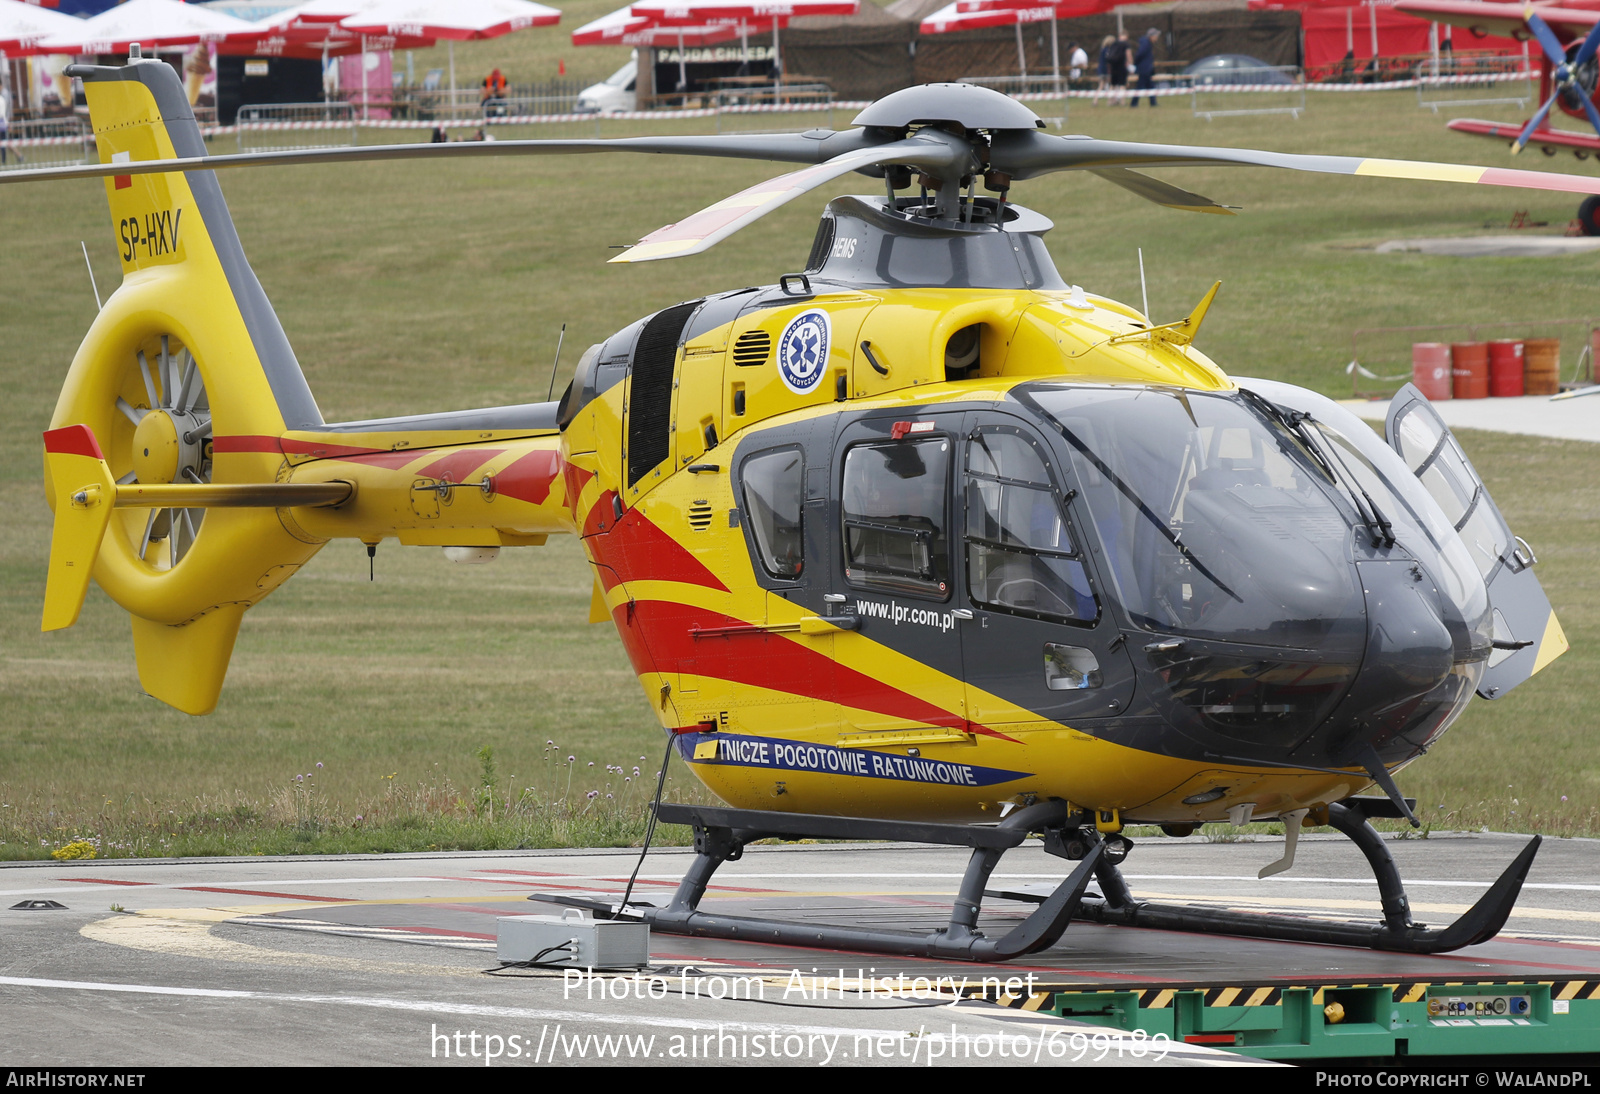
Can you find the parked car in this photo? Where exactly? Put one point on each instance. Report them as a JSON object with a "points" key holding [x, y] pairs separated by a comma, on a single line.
{"points": [[1231, 68], [613, 95]]}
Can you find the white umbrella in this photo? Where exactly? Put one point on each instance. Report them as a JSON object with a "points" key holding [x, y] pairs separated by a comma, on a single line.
{"points": [[452, 20], [703, 12], [622, 28], [328, 11], [23, 25], [147, 22]]}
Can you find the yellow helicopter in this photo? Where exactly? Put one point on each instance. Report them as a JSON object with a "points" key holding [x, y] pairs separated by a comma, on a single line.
{"points": [[920, 543]]}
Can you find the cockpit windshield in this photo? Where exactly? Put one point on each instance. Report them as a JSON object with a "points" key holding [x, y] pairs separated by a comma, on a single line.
{"points": [[1212, 520]]}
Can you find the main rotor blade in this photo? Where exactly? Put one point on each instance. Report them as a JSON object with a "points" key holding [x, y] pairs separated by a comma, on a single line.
{"points": [[818, 146], [1024, 155], [1162, 193], [703, 230]]}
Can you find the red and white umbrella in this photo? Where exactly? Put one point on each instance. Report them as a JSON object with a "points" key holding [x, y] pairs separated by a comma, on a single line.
{"points": [[452, 20], [1066, 9], [23, 25], [622, 28], [290, 34], [308, 32], [327, 11], [678, 13], [762, 13], [975, 14], [146, 22]]}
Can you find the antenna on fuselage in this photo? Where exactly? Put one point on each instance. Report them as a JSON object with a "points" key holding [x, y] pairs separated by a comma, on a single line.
{"points": [[97, 305], [560, 338], [1144, 293]]}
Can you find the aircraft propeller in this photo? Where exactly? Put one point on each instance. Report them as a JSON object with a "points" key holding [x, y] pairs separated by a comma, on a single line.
{"points": [[1564, 76]]}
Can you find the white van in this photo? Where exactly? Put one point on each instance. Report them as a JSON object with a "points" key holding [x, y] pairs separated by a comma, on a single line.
{"points": [[613, 95]]}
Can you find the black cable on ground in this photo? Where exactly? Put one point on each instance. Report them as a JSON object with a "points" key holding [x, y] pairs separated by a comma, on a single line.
{"points": [[650, 826], [532, 962]]}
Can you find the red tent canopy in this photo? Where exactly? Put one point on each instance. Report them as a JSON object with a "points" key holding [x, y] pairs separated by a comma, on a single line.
{"points": [[1334, 28]]}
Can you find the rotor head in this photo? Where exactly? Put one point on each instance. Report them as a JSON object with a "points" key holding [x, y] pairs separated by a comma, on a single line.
{"points": [[966, 105]]}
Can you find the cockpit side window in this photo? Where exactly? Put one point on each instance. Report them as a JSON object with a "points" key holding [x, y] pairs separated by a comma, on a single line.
{"points": [[774, 492], [1021, 556], [894, 513]]}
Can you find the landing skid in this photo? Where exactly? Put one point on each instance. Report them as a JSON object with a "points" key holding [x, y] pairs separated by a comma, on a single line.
{"points": [[720, 835]]}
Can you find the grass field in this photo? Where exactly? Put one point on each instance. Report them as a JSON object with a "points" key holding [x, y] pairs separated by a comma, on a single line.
{"points": [[410, 288]]}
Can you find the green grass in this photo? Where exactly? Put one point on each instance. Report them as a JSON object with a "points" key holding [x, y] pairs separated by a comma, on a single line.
{"points": [[408, 288]]}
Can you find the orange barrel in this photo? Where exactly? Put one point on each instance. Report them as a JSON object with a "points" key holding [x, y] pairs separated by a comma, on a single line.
{"points": [[1541, 368], [1505, 368], [1430, 369], [1469, 370]]}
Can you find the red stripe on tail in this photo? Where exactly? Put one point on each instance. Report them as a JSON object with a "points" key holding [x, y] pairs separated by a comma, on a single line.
{"points": [[72, 440]]}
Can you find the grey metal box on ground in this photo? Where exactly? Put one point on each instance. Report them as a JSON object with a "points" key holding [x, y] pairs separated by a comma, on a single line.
{"points": [[569, 941]]}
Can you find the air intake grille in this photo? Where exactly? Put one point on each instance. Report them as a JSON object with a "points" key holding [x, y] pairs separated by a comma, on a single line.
{"points": [[650, 401], [700, 516], [752, 348]]}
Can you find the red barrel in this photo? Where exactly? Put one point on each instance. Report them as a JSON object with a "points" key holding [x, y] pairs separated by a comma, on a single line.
{"points": [[1430, 369], [1505, 368], [1469, 370]]}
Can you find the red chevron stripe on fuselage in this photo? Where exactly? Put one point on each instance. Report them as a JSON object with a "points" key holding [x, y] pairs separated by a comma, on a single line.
{"points": [[637, 550], [660, 638]]}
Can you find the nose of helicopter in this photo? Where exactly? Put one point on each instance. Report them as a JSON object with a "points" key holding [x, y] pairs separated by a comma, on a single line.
{"points": [[1394, 688], [1416, 668]]}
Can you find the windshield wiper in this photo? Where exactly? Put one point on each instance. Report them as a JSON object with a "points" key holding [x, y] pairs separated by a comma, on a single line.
{"points": [[1138, 503], [1326, 454]]}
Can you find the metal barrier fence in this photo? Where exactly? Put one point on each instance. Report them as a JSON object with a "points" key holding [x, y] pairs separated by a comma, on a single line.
{"points": [[1457, 80], [1208, 93], [1380, 357], [285, 127], [47, 142], [466, 105]]}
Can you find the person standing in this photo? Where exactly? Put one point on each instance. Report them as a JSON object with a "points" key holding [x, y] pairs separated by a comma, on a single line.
{"points": [[1117, 65], [1144, 65], [1103, 70], [1078, 60]]}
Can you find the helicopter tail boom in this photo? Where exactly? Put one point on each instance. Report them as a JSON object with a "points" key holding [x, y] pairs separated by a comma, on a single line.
{"points": [[188, 465]]}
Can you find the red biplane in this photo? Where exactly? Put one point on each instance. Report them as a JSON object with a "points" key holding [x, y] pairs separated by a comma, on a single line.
{"points": [[1568, 35]]}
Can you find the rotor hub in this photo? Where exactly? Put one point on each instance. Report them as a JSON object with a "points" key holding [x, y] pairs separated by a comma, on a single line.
{"points": [[967, 105], [165, 447]]}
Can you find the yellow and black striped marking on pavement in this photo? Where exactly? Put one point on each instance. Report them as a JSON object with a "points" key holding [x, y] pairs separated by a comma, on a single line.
{"points": [[1156, 997]]}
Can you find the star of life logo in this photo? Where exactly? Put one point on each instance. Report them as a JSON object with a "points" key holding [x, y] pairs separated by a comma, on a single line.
{"points": [[803, 351]]}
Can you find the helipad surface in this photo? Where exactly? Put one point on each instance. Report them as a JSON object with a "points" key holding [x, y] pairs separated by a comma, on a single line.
{"points": [[373, 959]]}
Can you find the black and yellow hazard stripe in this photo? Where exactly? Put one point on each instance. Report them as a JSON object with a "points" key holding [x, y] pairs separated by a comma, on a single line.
{"points": [[1048, 998]]}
